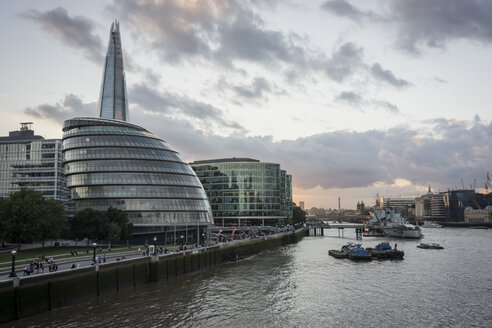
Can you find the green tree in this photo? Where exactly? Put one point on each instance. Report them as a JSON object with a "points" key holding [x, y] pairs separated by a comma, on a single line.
{"points": [[27, 216], [53, 220], [90, 224], [299, 216], [121, 219]]}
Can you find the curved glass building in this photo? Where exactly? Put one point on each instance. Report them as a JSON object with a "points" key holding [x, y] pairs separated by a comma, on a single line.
{"points": [[245, 191], [115, 163]]}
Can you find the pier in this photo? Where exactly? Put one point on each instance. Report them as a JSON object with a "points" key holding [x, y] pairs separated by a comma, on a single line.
{"points": [[318, 229]]}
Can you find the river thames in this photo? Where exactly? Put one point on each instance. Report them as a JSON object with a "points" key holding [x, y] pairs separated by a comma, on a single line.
{"points": [[301, 286]]}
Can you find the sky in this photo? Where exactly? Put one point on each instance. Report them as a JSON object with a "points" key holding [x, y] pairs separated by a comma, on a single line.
{"points": [[353, 98]]}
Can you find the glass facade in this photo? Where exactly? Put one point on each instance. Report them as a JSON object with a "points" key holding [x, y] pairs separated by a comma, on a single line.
{"points": [[30, 161], [245, 191], [118, 164], [113, 102]]}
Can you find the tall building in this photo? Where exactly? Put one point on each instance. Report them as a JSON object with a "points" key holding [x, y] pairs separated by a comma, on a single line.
{"points": [[403, 205], [245, 191], [113, 101], [115, 163], [30, 161], [423, 209], [301, 205]]}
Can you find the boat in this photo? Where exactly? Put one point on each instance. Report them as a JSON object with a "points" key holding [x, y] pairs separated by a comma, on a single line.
{"points": [[356, 252], [479, 227], [384, 251], [337, 254], [391, 224], [428, 224], [430, 246]]}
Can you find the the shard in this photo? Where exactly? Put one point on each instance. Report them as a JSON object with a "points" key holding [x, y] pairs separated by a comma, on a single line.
{"points": [[113, 101]]}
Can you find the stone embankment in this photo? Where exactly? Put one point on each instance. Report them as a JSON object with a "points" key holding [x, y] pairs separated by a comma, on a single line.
{"points": [[25, 296]]}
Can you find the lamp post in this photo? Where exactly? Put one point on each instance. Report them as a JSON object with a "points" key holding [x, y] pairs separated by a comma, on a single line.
{"points": [[13, 274], [155, 246], [182, 242], [94, 252], [203, 239]]}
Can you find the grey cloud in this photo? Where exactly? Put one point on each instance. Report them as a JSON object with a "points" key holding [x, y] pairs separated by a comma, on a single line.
{"points": [[344, 61], [343, 8], [349, 97], [76, 32], [172, 104], [339, 159], [387, 105], [217, 30], [258, 89], [358, 101], [379, 73], [432, 23], [71, 106]]}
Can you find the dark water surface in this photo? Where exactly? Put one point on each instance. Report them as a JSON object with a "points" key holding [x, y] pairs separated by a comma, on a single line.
{"points": [[301, 286]]}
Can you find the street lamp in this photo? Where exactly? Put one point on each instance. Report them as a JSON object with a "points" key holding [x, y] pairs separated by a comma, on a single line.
{"points": [[13, 274], [182, 241], [203, 239], [94, 252], [155, 246]]}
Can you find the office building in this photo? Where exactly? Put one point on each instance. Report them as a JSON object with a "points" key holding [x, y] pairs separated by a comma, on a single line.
{"points": [[245, 191], [30, 161]]}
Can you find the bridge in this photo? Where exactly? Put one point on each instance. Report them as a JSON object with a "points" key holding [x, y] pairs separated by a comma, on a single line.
{"points": [[315, 229]]}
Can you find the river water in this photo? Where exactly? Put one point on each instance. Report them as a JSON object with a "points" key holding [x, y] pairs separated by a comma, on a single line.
{"points": [[301, 286]]}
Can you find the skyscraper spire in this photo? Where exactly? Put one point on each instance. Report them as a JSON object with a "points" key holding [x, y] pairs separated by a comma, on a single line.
{"points": [[113, 101]]}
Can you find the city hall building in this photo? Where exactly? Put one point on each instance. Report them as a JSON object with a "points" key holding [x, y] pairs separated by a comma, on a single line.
{"points": [[245, 191]]}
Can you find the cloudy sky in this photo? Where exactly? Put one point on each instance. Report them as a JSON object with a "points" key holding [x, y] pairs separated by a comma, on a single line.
{"points": [[353, 98]]}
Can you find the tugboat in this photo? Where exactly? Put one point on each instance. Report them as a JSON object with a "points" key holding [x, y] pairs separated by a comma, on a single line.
{"points": [[430, 246]]}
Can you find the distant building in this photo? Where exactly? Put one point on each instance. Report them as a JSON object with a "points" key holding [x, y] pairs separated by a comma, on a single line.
{"points": [[423, 206], [450, 205], [478, 216], [301, 205], [245, 191], [30, 161], [403, 205]]}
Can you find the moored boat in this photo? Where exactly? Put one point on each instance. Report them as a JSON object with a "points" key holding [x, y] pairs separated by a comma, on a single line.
{"points": [[384, 251], [391, 224], [356, 252], [430, 246]]}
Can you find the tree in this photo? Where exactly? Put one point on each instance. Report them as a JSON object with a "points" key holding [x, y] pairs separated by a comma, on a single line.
{"points": [[90, 224], [299, 215], [53, 220], [121, 219], [27, 216]]}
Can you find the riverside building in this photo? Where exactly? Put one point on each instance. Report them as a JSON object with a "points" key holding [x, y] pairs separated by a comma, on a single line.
{"points": [[110, 162], [245, 191], [30, 161]]}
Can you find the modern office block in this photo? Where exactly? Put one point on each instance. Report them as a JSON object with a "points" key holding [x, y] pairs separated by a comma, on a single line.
{"points": [[30, 161], [245, 191]]}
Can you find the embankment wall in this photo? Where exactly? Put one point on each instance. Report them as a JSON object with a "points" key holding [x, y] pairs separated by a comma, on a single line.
{"points": [[32, 295]]}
